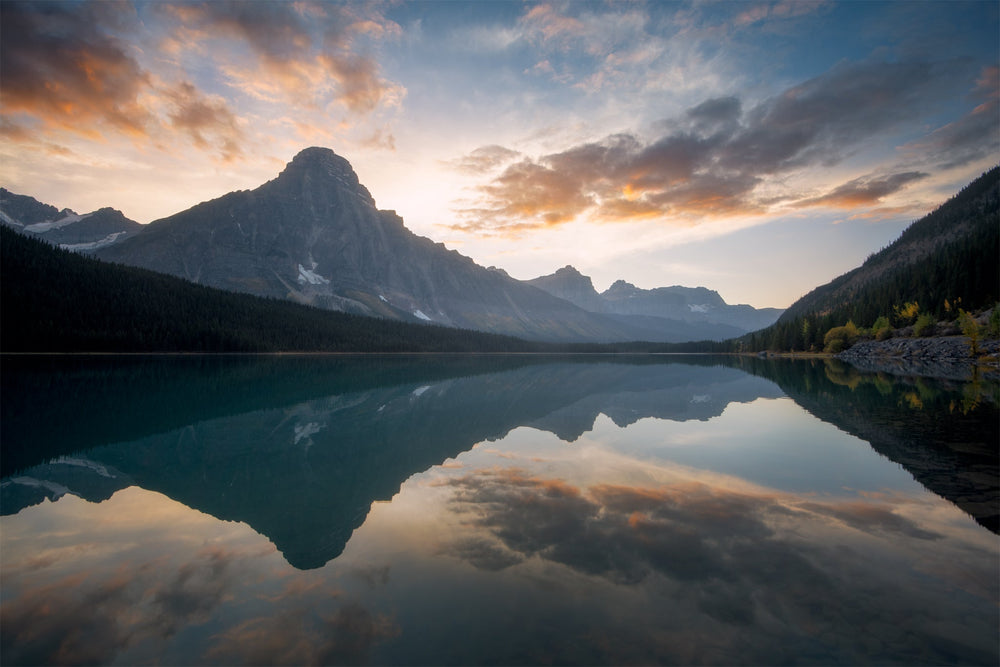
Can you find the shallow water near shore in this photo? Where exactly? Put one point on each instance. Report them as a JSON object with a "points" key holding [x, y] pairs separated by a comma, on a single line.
{"points": [[495, 510]]}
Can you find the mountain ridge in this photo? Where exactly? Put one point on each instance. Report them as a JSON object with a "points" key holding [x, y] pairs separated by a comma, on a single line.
{"points": [[947, 261], [65, 227], [670, 310], [313, 235], [970, 212]]}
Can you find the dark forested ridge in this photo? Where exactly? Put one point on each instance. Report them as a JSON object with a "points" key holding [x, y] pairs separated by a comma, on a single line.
{"points": [[52, 300], [947, 260]]}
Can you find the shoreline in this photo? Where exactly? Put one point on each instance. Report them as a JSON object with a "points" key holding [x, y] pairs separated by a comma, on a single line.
{"points": [[948, 357]]}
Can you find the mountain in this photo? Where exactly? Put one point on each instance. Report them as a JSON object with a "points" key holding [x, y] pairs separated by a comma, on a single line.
{"points": [[568, 283], [315, 236], [676, 313], [65, 228], [948, 259], [52, 300], [953, 252]]}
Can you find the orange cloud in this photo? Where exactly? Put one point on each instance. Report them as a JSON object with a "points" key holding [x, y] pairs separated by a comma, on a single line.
{"points": [[708, 162], [292, 60], [208, 121], [61, 65], [863, 191]]}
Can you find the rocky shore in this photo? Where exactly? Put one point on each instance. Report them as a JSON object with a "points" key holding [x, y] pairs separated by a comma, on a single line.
{"points": [[942, 356]]}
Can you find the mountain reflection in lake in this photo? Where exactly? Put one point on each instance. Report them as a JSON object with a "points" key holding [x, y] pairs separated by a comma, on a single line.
{"points": [[511, 510]]}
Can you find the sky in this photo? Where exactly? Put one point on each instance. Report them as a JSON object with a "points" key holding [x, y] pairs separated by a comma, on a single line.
{"points": [[756, 148]]}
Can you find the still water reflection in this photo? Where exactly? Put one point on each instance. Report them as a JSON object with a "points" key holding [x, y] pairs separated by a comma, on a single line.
{"points": [[506, 510]]}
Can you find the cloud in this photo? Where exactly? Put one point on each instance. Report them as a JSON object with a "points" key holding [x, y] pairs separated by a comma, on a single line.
{"points": [[973, 137], [88, 619], [752, 568], [872, 519], [297, 637], [62, 64], [299, 53], [484, 159], [68, 67], [776, 11], [864, 191], [708, 162], [207, 120], [547, 24]]}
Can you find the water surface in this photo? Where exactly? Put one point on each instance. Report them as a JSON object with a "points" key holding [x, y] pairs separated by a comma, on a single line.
{"points": [[496, 510]]}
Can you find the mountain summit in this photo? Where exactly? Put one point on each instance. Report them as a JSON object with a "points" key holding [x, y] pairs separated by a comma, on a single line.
{"points": [[321, 167], [315, 236]]}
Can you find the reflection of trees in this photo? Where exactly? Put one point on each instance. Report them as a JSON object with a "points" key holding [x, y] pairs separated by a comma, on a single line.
{"points": [[944, 432]]}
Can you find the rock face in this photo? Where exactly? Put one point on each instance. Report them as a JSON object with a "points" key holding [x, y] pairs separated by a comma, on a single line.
{"points": [[679, 313], [947, 357], [568, 283], [66, 228], [314, 235]]}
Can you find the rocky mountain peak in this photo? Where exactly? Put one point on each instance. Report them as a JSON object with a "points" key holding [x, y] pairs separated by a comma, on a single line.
{"points": [[619, 286], [321, 166]]}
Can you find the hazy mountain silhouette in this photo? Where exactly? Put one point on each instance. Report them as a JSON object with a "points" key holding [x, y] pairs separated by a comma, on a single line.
{"points": [[671, 314]]}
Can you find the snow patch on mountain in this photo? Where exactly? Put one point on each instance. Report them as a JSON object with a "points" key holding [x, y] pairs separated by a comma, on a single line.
{"points": [[93, 245], [9, 220], [85, 463], [419, 313], [306, 430], [42, 227], [311, 277], [699, 308], [57, 490]]}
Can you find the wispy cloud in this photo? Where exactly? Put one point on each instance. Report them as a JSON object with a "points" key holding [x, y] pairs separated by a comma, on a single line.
{"points": [[307, 51], [864, 191], [207, 120], [973, 136], [484, 159], [78, 69]]}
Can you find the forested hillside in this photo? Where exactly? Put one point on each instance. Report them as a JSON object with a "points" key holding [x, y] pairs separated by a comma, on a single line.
{"points": [[52, 300], [945, 262]]}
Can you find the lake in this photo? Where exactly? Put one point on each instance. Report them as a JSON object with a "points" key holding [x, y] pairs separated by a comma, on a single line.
{"points": [[495, 510]]}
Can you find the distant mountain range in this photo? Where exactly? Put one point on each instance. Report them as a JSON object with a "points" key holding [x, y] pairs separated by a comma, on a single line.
{"points": [[314, 235], [65, 228], [699, 308]]}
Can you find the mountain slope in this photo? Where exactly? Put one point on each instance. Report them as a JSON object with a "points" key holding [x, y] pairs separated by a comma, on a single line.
{"points": [[65, 228], [953, 252], [948, 259], [668, 313], [52, 300], [315, 236]]}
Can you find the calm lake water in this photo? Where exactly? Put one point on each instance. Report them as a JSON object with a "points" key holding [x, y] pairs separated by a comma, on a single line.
{"points": [[495, 510]]}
